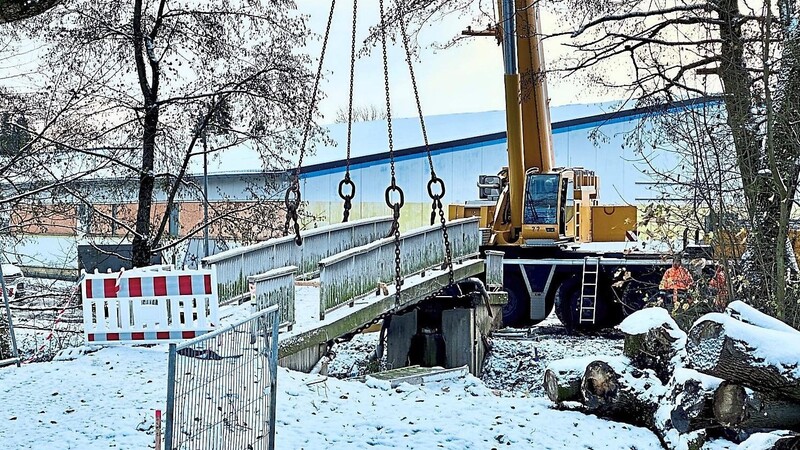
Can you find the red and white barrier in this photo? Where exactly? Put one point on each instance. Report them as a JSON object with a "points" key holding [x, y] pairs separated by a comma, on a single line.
{"points": [[141, 306]]}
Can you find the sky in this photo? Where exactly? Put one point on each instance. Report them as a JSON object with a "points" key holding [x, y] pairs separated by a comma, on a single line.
{"points": [[467, 78]]}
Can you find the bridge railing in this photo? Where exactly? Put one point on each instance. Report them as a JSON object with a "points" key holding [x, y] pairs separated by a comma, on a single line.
{"points": [[276, 287], [235, 265], [356, 272]]}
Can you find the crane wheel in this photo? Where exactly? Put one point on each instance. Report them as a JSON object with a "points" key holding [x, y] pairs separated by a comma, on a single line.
{"points": [[516, 313]]}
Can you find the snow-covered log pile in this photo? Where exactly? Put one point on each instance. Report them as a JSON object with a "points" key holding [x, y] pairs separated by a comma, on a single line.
{"points": [[736, 375]]}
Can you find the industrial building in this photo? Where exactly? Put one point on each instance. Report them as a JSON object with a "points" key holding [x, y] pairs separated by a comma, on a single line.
{"points": [[463, 146]]}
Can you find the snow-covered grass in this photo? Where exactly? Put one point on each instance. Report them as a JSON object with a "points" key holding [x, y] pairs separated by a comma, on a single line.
{"points": [[107, 399]]}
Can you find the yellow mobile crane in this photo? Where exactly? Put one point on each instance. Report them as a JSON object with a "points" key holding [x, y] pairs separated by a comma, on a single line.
{"points": [[544, 214]]}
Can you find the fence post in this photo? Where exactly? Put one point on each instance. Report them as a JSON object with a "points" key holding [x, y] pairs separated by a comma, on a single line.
{"points": [[273, 388], [14, 349], [170, 397]]}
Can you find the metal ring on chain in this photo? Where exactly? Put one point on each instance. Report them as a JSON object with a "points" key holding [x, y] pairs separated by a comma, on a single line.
{"points": [[387, 196], [431, 183], [347, 182], [292, 198]]}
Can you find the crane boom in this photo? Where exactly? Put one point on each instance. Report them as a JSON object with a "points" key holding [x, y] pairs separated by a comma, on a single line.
{"points": [[516, 162], [536, 137]]}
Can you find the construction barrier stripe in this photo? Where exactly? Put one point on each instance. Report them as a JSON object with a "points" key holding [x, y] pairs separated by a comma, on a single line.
{"points": [[145, 335], [156, 286]]}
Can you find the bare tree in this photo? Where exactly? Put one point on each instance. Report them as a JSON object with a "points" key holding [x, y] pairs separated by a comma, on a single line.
{"points": [[137, 92], [361, 114]]}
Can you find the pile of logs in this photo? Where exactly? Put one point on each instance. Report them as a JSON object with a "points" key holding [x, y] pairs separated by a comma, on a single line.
{"points": [[736, 375]]}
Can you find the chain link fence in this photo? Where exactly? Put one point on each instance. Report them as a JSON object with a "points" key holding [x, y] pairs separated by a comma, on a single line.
{"points": [[221, 387]]}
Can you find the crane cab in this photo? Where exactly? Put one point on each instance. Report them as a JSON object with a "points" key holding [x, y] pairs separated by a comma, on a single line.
{"points": [[548, 210]]}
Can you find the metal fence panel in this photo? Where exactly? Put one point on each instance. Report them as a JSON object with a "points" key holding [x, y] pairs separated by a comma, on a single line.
{"points": [[356, 272], [222, 387]]}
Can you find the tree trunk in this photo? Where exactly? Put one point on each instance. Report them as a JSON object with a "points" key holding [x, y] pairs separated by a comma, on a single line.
{"points": [[629, 395], [756, 357], [142, 241], [657, 348], [144, 57], [563, 377], [736, 408], [749, 315]]}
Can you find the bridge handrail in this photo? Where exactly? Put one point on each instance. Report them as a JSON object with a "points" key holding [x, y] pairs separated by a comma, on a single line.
{"points": [[235, 265], [356, 272], [276, 287]]}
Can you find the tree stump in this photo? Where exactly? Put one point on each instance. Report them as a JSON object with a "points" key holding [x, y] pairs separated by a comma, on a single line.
{"points": [[653, 341]]}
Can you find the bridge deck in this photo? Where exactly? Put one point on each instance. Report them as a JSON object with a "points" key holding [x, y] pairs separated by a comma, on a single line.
{"points": [[310, 332]]}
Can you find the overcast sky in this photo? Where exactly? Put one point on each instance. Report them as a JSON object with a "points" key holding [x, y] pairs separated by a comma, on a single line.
{"points": [[468, 78]]}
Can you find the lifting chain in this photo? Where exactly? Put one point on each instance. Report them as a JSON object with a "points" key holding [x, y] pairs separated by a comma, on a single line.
{"points": [[436, 195], [293, 199], [347, 182], [393, 187]]}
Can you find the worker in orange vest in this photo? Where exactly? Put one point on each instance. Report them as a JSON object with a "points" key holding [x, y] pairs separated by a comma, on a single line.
{"points": [[719, 285], [676, 281]]}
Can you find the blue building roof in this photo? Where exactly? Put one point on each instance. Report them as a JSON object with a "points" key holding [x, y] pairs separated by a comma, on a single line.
{"points": [[370, 139]]}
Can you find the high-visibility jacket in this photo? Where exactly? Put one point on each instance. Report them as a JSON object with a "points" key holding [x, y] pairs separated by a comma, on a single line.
{"points": [[718, 283], [676, 278]]}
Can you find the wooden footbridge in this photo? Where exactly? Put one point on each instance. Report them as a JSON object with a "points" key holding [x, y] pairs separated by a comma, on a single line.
{"points": [[342, 279]]}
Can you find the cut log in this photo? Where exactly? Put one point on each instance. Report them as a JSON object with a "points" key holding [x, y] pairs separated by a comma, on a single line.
{"points": [[563, 387], [759, 358], [745, 313], [563, 377], [653, 341], [740, 408], [779, 440], [622, 393], [689, 400]]}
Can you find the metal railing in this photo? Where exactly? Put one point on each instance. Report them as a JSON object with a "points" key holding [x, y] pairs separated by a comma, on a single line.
{"points": [[235, 265], [221, 387], [494, 270], [276, 287], [354, 273]]}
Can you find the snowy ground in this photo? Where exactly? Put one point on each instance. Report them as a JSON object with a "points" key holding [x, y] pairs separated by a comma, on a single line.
{"points": [[107, 399]]}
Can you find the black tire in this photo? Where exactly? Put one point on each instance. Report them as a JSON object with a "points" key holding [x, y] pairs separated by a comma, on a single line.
{"points": [[567, 304], [517, 312]]}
